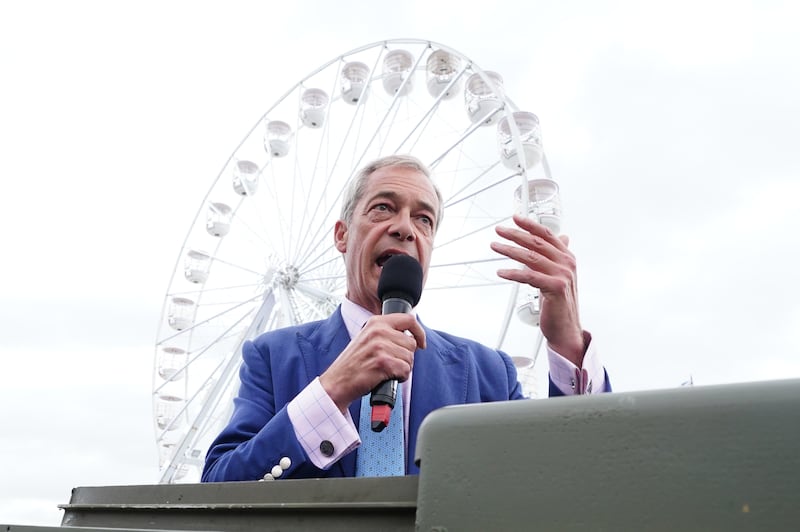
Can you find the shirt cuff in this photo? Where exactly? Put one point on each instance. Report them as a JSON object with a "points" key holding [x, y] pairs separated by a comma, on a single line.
{"points": [[316, 420], [571, 379]]}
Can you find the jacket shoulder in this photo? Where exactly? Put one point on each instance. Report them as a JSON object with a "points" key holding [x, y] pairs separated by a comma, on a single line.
{"points": [[285, 334]]}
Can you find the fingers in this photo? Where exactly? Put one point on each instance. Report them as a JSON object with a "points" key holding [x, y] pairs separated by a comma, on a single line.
{"points": [[548, 263], [537, 256], [388, 346], [534, 236], [382, 350], [407, 323], [537, 247], [390, 342], [532, 227]]}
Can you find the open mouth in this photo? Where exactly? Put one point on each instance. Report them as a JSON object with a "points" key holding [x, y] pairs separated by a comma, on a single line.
{"points": [[380, 261]]}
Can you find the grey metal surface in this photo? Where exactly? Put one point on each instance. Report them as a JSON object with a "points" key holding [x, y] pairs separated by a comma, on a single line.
{"points": [[316, 504], [28, 528], [702, 458]]}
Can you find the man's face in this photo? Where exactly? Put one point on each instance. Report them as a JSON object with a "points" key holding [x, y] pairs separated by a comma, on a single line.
{"points": [[396, 215]]}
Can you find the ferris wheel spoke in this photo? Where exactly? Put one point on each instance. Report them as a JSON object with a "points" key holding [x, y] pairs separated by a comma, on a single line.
{"points": [[218, 260], [309, 306], [208, 423], [468, 262], [217, 387], [189, 401], [451, 200], [209, 387], [318, 238], [428, 116], [315, 265], [199, 325], [462, 275], [473, 232], [482, 190], [337, 280], [325, 250], [319, 207], [211, 380], [258, 229], [472, 129], [395, 111], [359, 112], [308, 219], [278, 205], [418, 130], [227, 334], [220, 289], [473, 285], [303, 251], [315, 293], [392, 108]]}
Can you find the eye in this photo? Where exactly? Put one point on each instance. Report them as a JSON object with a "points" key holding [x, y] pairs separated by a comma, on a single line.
{"points": [[426, 220], [380, 211]]}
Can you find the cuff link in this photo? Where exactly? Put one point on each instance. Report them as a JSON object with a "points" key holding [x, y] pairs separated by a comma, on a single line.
{"points": [[581, 384], [326, 448]]}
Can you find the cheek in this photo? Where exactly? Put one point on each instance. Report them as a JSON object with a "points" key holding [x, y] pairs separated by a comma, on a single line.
{"points": [[424, 252]]}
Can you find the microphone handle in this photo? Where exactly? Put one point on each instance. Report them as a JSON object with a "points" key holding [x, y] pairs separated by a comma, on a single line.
{"points": [[385, 393], [395, 305]]}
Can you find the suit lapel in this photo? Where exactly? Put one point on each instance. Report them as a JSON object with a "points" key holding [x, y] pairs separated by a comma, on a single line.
{"points": [[440, 379], [322, 345]]}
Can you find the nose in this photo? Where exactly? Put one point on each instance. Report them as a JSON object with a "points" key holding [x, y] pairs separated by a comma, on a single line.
{"points": [[402, 228]]}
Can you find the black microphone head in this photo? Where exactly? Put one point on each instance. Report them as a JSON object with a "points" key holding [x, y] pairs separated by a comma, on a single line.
{"points": [[401, 277]]}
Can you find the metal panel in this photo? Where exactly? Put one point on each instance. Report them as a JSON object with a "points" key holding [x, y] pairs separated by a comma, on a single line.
{"points": [[316, 504], [702, 458]]}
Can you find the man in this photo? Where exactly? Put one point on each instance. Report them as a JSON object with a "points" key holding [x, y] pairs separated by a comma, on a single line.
{"points": [[301, 387]]}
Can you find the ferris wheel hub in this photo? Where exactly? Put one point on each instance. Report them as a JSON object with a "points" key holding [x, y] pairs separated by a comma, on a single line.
{"points": [[287, 277]]}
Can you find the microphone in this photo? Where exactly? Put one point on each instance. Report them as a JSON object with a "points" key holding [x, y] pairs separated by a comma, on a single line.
{"points": [[399, 289]]}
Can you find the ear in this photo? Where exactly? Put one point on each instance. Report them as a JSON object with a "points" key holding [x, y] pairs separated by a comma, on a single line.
{"points": [[340, 236]]}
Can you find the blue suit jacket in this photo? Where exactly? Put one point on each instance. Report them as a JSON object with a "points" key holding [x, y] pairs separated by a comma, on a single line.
{"points": [[279, 364]]}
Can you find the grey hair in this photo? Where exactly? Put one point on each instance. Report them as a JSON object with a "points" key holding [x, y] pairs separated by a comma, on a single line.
{"points": [[358, 183]]}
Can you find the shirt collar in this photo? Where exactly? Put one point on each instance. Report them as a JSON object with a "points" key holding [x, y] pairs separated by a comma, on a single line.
{"points": [[354, 316]]}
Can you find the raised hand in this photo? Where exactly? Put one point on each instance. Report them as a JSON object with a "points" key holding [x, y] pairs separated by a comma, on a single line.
{"points": [[549, 266]]}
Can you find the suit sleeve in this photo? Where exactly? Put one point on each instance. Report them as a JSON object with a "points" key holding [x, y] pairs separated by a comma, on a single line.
{"points": [[259, 435]]}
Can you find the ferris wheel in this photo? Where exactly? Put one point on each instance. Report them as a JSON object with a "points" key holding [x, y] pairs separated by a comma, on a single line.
{"points": [[259, 253]]}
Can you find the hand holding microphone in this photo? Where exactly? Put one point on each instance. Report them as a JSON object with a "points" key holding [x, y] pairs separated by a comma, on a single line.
{"points": [[399, 289], [384, 348]]}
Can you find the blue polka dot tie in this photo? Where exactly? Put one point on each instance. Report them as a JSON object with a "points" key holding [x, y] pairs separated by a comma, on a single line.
{"points": [[381, 454]]}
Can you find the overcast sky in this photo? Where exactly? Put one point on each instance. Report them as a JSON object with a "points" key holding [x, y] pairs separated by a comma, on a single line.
{"points": [[672, 128]]}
